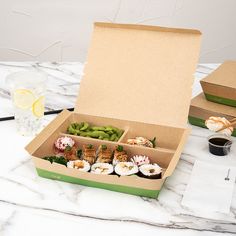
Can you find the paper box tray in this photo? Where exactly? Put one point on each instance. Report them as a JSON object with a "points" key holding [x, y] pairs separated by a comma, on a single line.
{"points": [[201, 109], [170, 141], [220, 85], [137, 78]]}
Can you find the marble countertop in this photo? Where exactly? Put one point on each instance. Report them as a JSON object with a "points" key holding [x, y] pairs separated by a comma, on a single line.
{"points": [[31, 205]]}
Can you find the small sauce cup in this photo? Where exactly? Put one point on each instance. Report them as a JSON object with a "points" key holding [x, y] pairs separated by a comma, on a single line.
{"points": [[219, 144]]}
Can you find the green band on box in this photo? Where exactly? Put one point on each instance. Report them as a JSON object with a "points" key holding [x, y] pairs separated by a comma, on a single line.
{"points": [[113, 187], [225, 101], [200, 122]]}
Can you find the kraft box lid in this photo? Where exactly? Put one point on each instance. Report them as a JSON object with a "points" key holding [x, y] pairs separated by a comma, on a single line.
{"points": [[139, 73], [220, 85], [224, 75]]}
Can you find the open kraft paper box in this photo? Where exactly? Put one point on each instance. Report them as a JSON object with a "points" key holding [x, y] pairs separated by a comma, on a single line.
{"points": [[139, 79], [220, 85]]}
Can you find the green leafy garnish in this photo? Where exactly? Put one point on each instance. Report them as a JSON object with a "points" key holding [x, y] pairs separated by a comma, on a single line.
{"points": [[119, 148], [153, 141], [103, 147], [60, 160], [68, 148], [79, 153], [90, 146]]}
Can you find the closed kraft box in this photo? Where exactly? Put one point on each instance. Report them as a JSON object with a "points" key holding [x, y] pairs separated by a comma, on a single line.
{"points": [[139, 79], [201, 109], [220, 85]]}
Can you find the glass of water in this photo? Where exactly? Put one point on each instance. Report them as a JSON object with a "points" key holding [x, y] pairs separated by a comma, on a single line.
{"points": [[28, 95]]}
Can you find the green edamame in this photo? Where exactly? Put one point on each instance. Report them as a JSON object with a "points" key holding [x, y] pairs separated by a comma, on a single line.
{"points": [[85, 126], [113, 137], [98, 128], [71, 130], [83, 129], [100, 133]]}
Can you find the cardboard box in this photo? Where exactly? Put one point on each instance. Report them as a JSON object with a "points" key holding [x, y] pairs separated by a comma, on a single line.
{"points": [[201, 109], [137, 78], [220, 85]]}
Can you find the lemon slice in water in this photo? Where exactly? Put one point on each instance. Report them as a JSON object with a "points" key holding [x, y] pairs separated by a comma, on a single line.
{"points": [[38, 107], [23, 98]]}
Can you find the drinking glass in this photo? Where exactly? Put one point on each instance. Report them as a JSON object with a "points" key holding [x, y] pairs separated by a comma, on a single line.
{"points": [[28, 96]]}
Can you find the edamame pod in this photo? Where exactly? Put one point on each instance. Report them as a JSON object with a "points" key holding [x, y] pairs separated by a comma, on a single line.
{"points": [[71, 130], [93, 134], [78, 125], [113, 137], [73, 125], [83, 134], [108, 128], [98, 128], [120, 132], [85, 126], [113, 129], [110, 132], [100, 134]]}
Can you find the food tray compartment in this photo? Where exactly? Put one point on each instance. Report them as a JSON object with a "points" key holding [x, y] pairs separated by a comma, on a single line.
{"points": [[95, 121], [164, 157], [167, 141], [167, 138], [160, 157], [88, 138]]}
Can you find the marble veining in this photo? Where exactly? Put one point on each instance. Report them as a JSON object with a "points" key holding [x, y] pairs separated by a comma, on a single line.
{"points": [[26, 197]]}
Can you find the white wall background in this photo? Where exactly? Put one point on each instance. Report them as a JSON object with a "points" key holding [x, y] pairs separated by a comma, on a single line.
{"points": [[59, 30]]}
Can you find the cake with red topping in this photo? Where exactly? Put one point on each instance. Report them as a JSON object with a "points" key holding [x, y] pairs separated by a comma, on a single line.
{"points": [[64, 142]]}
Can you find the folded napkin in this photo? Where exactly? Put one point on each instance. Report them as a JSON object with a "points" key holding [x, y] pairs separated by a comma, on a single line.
{"points": [[210, 187]]}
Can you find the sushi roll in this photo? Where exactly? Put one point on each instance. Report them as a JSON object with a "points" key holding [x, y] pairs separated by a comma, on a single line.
{"points": [[141, 141], [126, 168], [102, 168], [119, 155], [70, 153], [150, 171], [140, 160], [104, 154], [79, 164], [62, 143], [89, 154]]}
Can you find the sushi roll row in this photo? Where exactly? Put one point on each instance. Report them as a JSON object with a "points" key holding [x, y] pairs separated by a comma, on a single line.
{"points": [[97, 168], [150, 171], [103, 160]]}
